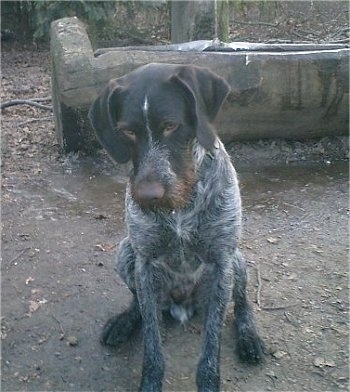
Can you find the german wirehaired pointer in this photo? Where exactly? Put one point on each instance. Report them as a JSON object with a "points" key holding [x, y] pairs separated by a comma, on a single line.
{"points": [[183, 214]]}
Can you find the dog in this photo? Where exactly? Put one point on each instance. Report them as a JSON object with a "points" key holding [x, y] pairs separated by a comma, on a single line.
{"points": [[183, 214]]}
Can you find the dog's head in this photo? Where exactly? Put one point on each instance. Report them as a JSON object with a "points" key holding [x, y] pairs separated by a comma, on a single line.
{"points": [[152, 116]]}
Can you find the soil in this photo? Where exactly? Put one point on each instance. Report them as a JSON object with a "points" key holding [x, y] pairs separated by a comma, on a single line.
{"points": [[62, 217]]}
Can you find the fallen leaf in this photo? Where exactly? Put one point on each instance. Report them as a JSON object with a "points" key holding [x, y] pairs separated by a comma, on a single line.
{"points": [[100, 247], [105, 247], [33, 306], [101, 217], [272, 240], [271, 374]]}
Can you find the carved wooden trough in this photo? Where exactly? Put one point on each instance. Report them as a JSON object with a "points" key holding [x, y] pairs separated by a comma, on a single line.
{"points": [[278, 91]]}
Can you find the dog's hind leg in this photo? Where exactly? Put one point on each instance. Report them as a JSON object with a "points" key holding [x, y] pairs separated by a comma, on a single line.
{"points": [[250, 347], [119, 328]]}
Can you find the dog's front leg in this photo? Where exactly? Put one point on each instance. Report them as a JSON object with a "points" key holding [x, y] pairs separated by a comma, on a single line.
{"points": [[219, 293], [153, 361]]}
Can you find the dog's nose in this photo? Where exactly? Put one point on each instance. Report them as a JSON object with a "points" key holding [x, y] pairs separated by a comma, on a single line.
{"points": [[150, 191]]}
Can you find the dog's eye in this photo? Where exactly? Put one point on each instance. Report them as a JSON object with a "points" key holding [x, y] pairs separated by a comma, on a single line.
{"points": [[129, 133], [169, 127]]}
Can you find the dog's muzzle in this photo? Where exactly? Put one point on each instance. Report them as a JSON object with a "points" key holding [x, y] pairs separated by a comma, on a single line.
{"points": [[154, 184]]}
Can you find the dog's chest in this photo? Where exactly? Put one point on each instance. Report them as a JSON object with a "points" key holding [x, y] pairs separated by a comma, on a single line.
{"points": [[179, 242], [182, 227]]}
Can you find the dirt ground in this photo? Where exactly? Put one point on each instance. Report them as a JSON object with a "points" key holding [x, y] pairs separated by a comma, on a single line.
{"points": [[62, 217]]}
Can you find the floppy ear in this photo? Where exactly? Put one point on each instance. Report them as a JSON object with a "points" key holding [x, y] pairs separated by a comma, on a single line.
{"points": [[103, 117], [206, 93]]}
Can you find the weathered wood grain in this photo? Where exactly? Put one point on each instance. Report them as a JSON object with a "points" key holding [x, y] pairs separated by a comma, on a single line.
{"points": [[291, 94]]}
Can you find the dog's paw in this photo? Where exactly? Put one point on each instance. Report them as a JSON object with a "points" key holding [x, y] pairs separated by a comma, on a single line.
{"points": [[250, 348], [152, 374], [208, 375], [117, 330], [151, 386]]}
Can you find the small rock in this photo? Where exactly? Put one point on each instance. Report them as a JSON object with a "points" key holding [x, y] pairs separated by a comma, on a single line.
{"points": [[29, 280], [279, 354], [72, 341], [321, 362]]}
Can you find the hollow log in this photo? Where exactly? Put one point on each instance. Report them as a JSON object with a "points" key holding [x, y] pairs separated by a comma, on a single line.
{"points": [[288, 94]]}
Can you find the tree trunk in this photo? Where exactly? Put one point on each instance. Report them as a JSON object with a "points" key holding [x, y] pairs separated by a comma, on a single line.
{"points": [[223, 20], [192, 20]]}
